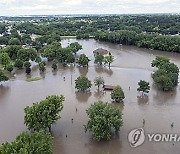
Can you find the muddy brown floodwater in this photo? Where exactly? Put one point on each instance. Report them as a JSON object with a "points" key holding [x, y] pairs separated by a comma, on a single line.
{"points": [[131, 64]]}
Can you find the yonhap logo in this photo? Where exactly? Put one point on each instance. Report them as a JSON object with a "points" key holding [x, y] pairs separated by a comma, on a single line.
{"points": [[136, 137]]}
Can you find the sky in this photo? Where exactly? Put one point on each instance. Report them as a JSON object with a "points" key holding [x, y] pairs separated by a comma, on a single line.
{"points": [[50, 7]]}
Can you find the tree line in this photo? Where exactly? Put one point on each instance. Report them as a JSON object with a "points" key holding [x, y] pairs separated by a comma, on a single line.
{"points": [[150, 41]]}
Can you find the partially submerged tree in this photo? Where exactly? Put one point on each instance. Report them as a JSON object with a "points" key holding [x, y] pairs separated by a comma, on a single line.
{"points": [[98, 58], [42, 67], [82, 84], [144, 86], [75, 47], [166, 77], [159, 61], [25, 143], [103, 117], [44, 114], [54, 64], [108, 59], [5, 59], [98, 81], [9, 67], [117, 94], [18, 63], [27, 66], [3, 77], [83, 60]]}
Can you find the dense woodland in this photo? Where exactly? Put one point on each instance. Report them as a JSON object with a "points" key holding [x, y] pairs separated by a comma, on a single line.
{"points": [[159, 32]]}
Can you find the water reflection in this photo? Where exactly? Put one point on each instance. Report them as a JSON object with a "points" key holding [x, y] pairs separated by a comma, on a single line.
{"points": [[101, 70], [143, 99], [165, 97], [83, 70], [83, 97], [99, 94]]}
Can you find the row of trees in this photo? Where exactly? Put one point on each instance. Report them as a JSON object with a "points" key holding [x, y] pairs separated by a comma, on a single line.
{"points": [[100, 59], [16, 56], [166, 77], [83, 84], [150, 41], [162, 24]]}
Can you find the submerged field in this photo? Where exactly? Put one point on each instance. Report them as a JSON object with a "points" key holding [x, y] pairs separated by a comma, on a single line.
{"points": [[131, 64]]}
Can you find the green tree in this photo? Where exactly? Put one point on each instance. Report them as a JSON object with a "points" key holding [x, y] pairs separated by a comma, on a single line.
{"points": [[98, 59], [27, 65], [42, 67], [14, 41], [83, 60], [25, 143], [5, 59], [166, 77], [98, 81], [3, 77], [117, 94], [75, 47], [70, 58], [44, 114], [143, 86], [54, 64], [18, 63], [108, 59], [82, 84], [159, 61], [9, 68], [103, 117], [164, 83]]}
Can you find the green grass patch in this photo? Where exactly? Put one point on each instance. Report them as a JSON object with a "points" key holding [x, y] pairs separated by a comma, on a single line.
{"points": [[33, 79], [68, 37]]}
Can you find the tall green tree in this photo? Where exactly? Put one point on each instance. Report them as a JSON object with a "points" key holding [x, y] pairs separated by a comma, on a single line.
{"points": [[98, 81], [42, 67], [166, 77], [25, 143], [82, 84], [108, 60], [5, 59], [75, 47], [44, 114], [103, 117], [144, 86], [98, 59], [83, 60], [117, 94], [3, 77]]}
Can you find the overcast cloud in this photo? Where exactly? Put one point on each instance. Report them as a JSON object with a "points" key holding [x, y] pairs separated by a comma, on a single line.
{"points": [[45, 7]]}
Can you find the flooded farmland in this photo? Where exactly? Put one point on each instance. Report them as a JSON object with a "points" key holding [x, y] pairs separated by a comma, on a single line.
{"points": [[131, 64]]}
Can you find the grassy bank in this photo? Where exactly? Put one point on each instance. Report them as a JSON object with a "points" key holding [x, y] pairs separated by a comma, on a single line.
{"points": [[33, 79], [68, 37]]}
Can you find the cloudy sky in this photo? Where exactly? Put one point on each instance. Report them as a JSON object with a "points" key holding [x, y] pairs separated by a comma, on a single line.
{"points": [[46, 7]]}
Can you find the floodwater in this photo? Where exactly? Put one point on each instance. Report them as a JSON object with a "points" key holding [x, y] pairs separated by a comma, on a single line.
{"points": [[159, 109]]}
